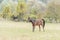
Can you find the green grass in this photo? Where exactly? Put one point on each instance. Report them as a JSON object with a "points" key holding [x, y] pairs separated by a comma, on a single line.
{"points": [[23, 31]]}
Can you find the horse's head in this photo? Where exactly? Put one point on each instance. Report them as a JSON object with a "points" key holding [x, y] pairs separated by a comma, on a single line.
{"points": [[29, 19]]}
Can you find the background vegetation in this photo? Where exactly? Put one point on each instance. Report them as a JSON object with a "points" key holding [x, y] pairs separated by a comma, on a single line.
{"points": [[22, 10]]}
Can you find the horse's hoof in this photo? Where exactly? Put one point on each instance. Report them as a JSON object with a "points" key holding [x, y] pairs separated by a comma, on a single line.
{"points": [[32, 31]]}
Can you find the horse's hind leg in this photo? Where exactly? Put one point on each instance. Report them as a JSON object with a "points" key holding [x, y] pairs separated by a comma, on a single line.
{"points": [[43, 24], [43, 28], [39, 27]]}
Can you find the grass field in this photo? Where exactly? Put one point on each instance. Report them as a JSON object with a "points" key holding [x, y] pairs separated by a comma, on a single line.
{"points": [[23, 31]]}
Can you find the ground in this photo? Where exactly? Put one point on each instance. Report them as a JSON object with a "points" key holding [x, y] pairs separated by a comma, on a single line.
{"points": [[23, 31]]}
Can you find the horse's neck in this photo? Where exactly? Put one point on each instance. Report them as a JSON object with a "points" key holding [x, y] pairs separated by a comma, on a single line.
{"points": [[33, 21]]}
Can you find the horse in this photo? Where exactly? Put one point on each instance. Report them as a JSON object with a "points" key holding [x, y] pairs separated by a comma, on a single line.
{"points": [[37, 22]]}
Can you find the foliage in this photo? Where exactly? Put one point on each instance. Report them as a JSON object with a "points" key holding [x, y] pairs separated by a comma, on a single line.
{"points": [[53, 12], [6, 12], [23, 10]]}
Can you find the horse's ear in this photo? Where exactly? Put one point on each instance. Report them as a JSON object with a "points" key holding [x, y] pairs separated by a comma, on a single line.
{"points": [[28, 17]]}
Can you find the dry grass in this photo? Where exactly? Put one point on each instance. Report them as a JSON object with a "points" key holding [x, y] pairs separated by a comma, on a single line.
{"points": [[23, 31]]}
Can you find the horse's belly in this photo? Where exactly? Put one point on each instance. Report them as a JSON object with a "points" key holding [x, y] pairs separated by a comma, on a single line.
{"points": [[38, 24]]}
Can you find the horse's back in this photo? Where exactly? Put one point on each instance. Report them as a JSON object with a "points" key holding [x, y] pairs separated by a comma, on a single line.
{"points": [[38, 22]]}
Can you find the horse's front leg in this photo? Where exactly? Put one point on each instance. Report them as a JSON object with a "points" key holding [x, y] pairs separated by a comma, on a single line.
{"points": [[33, 28]]}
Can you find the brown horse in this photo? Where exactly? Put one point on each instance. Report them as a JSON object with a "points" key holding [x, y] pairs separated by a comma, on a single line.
{"points": [[37, 22]]}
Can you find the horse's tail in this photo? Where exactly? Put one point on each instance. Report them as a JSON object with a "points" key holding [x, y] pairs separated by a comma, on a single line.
{"points": [[43, 23]]}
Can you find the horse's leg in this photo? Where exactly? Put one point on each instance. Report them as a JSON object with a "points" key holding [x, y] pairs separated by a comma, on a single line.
{"points": [[43, 24], [39, 27], [33, 28], [43, 27]]}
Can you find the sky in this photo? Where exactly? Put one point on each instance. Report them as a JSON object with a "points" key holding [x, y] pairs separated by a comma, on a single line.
{"points": [[42, 2]]}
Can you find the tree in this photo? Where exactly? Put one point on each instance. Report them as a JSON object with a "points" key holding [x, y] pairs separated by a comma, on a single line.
{"points": [[7, 12], [21, 9], [52, 12]]}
